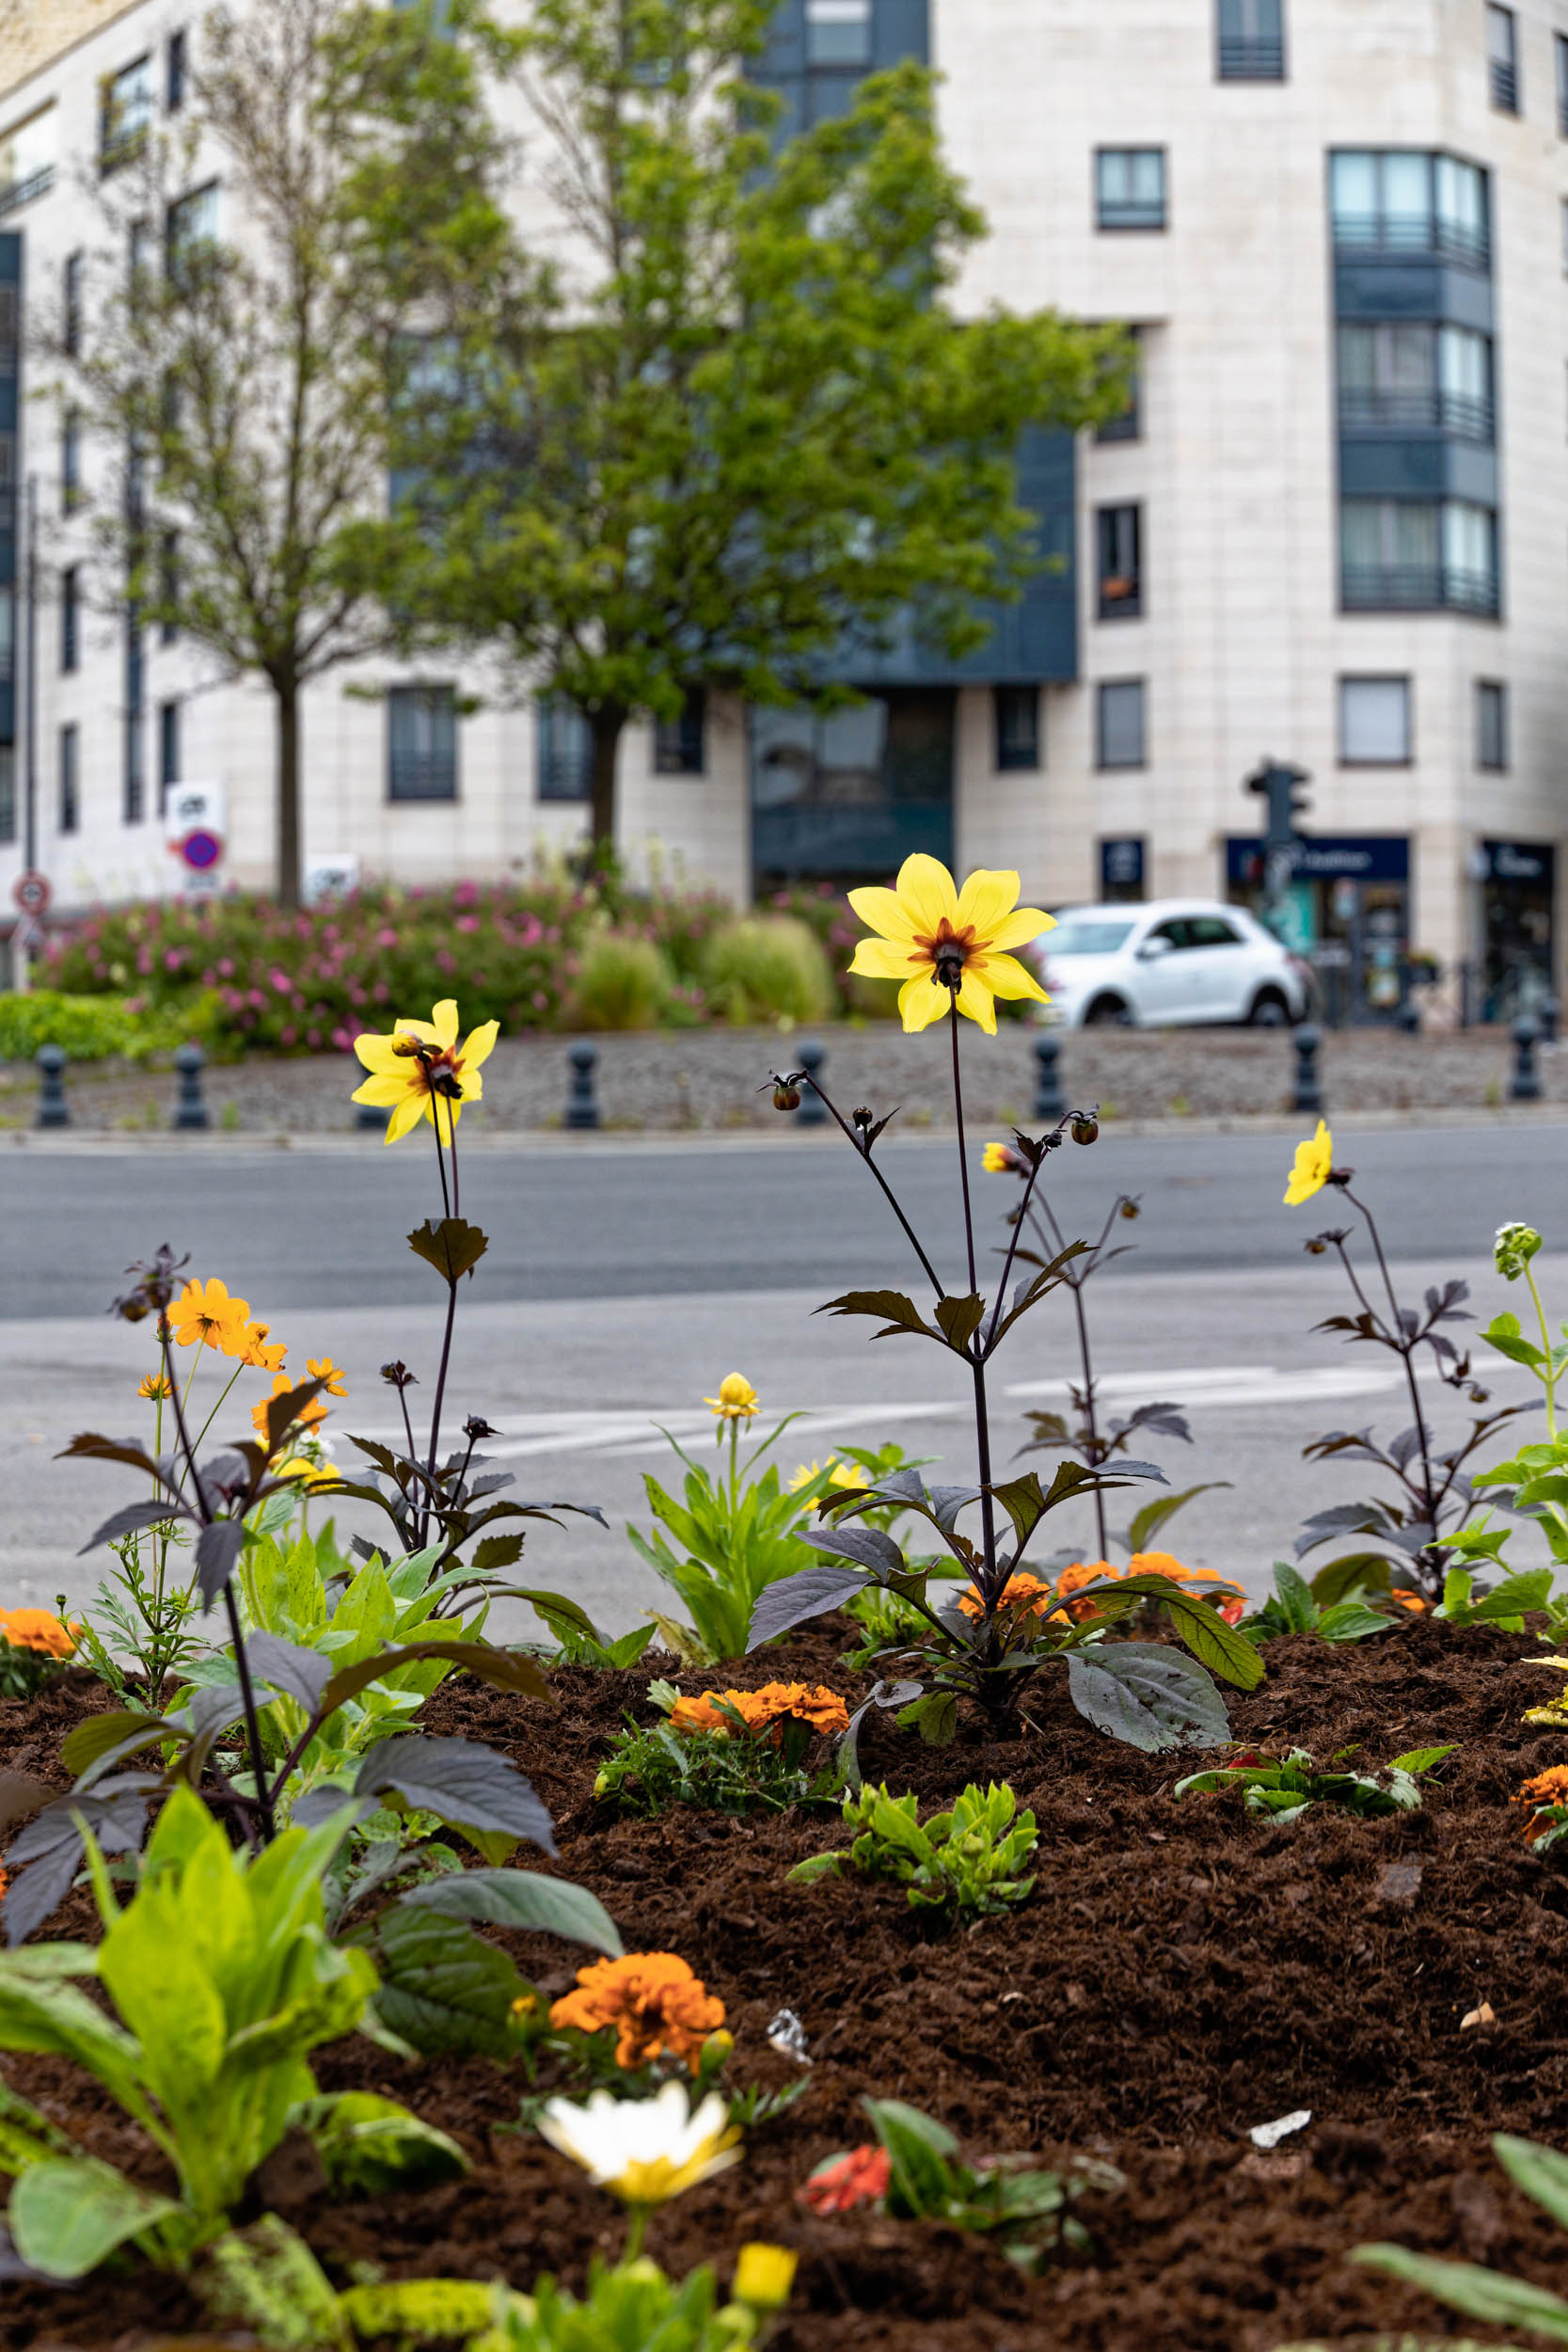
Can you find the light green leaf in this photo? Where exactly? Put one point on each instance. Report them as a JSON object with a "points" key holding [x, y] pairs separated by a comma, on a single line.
{"points": [[523, 1900], [66, 2217]]}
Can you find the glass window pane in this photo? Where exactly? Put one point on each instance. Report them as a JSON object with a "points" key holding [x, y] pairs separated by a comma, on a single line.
{"points": [[1463, 361], [1461, 199], [1353, 188], [1149, 177], [1121, 723], [1414, 532], [1374, 720], [1358, 359], [838, 32], [1407, 198], [1409, 357], [1360, 537]]}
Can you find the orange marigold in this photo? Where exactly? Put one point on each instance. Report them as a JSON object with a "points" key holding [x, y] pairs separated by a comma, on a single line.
{"points": [[1022, 1591], [1167, 1563], [36, 1629], [859, 2178], [1403, 1599], [1547, 1788], [766, 1709], [652, 1999]]}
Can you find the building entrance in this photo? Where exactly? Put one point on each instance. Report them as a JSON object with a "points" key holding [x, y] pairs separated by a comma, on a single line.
{"points": [[847, 795]]}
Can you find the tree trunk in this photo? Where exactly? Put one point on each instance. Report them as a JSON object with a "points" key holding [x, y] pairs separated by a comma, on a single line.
{"points": [[608, 724], [288, 792]]}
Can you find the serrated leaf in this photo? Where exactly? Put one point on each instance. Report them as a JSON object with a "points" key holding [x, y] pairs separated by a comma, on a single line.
{"points": [[443, 1988], [1148, 1695], [450, 1244], [869, 1546], [1204, 1630], [88, 1446], [217, 1550], [959, 1319], [497, 1551], [130, 1520], [302, 1674], [466, 1784], [896, 1312]]}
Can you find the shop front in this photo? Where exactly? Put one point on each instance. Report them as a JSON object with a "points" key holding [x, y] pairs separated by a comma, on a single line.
{"points": [[1346, 911], [1518, 906]]}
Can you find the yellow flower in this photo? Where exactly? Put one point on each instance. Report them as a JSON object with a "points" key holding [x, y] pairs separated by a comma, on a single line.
{"points": [[308, 1473], [323, 1368], [737, 1399], [803, 1476], [998, 1160], [948, 946], [204, 1315], [849, 1474], [420, 1071], [1314, 1160], [258, 1354], [155, 1386], [308, 1416], [764, 2275]]}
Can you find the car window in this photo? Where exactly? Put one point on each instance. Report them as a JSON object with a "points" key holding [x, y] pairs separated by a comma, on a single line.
{"points": [[1212, 930], [1084, 939], [1178, 931]]}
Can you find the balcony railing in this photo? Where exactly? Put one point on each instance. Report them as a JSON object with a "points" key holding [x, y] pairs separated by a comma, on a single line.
{"points": [[1372, 233], [1252, 60], [1131, 212], [1505, 87], [1434, 411], [1418, 588], [22, 192]]}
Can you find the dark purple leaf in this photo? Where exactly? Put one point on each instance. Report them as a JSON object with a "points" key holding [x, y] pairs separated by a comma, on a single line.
{"points": [[301, 1674], [792, 1599], [466, 1784], [217, 1549]]}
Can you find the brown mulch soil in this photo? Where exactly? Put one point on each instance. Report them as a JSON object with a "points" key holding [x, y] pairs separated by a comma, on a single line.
{"points": [[1181, 1973]]}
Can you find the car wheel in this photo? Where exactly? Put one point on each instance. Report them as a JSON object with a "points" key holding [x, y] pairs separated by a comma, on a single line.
{"points": [[1108, 1012], [1269, 1010]]}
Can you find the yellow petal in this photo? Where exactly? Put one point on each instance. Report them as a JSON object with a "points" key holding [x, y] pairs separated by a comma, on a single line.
{"points": [[887, 959], [926, 887], [1017, 929], [473, 1084], [1005, 977], [377, 1052], [976, 1000], [883, 911], [920, 1001], [387, 1087], [987, 900], [422, 1029], [445, 1018], [407, 1116], [478, 1044]]}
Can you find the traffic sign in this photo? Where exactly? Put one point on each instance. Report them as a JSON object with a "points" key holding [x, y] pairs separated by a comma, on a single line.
{"points": [[201, 850], [31, 893]]}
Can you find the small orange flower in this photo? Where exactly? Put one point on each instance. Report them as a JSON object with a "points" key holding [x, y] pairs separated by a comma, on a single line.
{"points": [[652, 1999], [36, 1629], [205, 1315], [308, 1416], [767, 1709], [1403, 1599], [258, 1354], [324, 1368], [859, 2178], [1547, 1788], [1022, 1591], [155, 1386], [1167, 1563]]}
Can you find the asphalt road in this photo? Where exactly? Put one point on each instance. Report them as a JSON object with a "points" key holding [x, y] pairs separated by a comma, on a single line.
{"points": [[612, 1219], [624, 1280]]}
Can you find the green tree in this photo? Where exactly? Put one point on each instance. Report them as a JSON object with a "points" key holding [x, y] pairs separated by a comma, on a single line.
{"points": [[227, 352], [697, 401]]}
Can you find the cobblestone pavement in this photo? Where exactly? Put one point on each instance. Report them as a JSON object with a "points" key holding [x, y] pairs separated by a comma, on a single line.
{"points": [[708, 1080]]}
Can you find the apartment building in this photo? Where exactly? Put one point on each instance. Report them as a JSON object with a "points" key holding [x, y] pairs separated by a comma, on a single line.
{"points": [[1332, 528]]}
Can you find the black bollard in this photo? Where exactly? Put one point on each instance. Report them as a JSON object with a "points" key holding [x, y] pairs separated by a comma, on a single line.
{"points": [[54, 1110], [190, 1112], [1526, 1083], [1546, 1013], [1050, 1101], [1409, 1017], [1308, 1095], [582, 1100], [811, 1057]]}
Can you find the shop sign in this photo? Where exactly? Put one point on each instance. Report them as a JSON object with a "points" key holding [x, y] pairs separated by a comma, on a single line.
{"points": [[1518, 862], [1324, 857], [1121, 864]]}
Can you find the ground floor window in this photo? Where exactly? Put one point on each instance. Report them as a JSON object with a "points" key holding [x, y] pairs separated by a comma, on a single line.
{"points": [[565, 750], [421, 743], [1347, 913], [1518, 894]]}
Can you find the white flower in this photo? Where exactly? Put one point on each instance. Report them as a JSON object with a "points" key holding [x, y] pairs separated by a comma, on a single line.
{"points": [[643, 2150]]}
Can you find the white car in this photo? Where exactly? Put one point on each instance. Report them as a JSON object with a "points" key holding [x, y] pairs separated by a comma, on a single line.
{"points": [[1169, 963]]}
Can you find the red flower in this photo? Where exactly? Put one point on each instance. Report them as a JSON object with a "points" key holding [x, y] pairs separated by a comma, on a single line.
{"points": [[859, 2178]]}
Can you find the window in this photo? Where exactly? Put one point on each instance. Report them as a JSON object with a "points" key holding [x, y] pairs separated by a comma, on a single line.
{"points": [[1018, 726], [124, 113], [679, 743], [7, 793], [1374, 722], [1502, 58], [168, 751], [1128, 423], [27, 159], [139, 255], [1252, 41], [70, 811], [1120, 723], [1212, 930], [71, 462], [168, 585], [1407, 375], [174, 72], [838, 32], [70, 652], [1418, 555], [1491, 723], [1401, 201], [1119, 533], [1130, 187], [134, 780], [565, 751], [192, 225], [1559, 54], [421, 743], [71, 301]]}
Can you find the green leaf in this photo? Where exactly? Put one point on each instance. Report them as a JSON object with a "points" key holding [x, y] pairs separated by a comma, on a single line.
{"points": [[527, 1901], [27, 2136], [450, 1244], [266, 2281], [507, 1669], [1420, 1759], [896, 1312], [557, 1609], [443, 1988], [1296, 1597], [66, 2216], [421, 2311], [1146, 1523], [935, 1717], [1147, 1694], [97, 1736], [369, 2145], [816, 1865], [1353, 1621], [1488, 2295], [1541, 2172], [959, 1319], [1356, 1571], [1219, 1646], [497, 1551], [919, 2152]]}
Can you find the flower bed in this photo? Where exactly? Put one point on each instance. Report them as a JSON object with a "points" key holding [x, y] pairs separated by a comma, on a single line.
{"points": [[1182, 1973]]}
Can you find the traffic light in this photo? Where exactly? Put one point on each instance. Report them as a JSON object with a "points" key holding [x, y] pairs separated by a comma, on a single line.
{"points": [[1282, 787]]}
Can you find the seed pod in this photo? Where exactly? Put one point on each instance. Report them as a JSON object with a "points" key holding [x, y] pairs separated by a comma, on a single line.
{"points": [[787, 1097], [1084, 1128]]}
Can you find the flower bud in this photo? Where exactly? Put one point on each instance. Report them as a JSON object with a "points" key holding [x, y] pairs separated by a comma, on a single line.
{"points": [[787, 1097], [1514, 1249], [764, 2275], [1085, 1127], [1129, 1209], [717, 2051]]}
